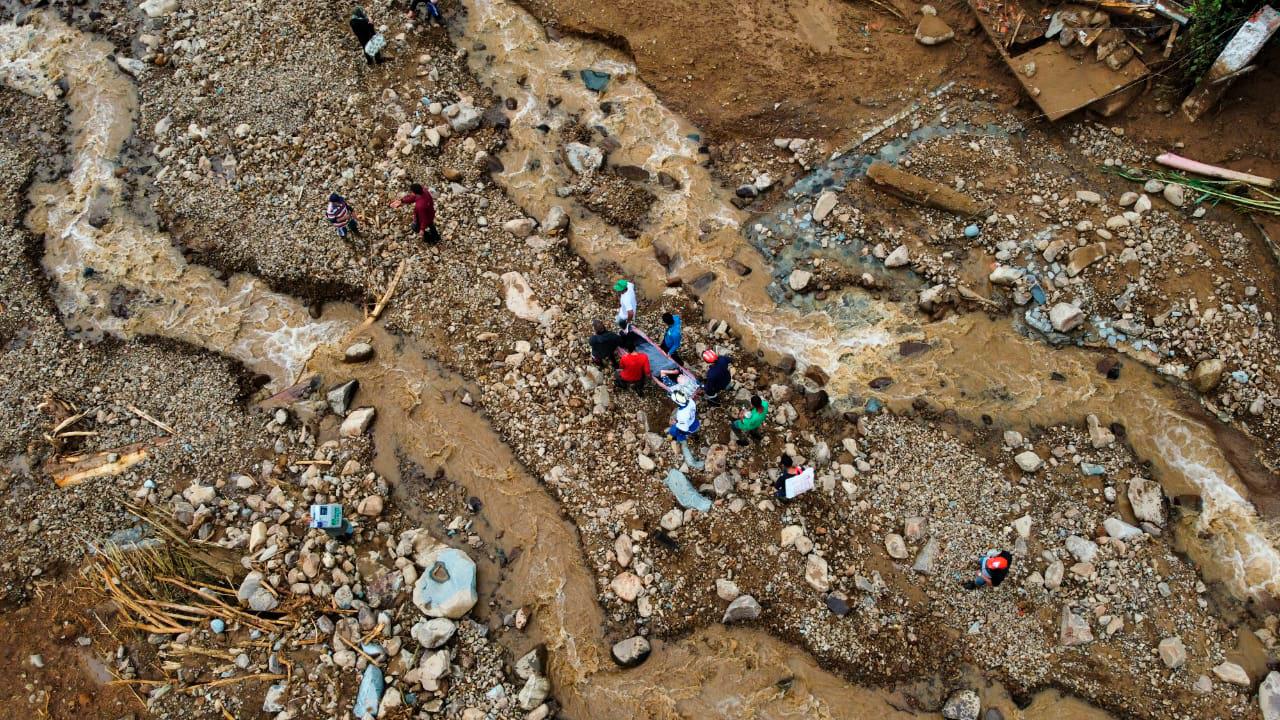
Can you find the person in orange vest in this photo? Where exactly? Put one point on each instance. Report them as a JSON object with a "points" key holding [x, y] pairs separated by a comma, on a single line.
{"points": [[992, 569]]}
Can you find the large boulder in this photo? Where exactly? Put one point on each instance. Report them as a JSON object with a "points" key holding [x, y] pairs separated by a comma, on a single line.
{"points": [[1074, 630], [962, 705], [743, 608], [447, 586], [1269, 696], [583, 158], [357, 422], [1172, 652], [1208, 374], [631, 652], [519, 297], [1065, 317], [1147, 500]]}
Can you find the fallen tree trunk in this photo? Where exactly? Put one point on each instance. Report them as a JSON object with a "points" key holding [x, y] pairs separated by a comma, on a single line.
{"points": [[913, 188]]}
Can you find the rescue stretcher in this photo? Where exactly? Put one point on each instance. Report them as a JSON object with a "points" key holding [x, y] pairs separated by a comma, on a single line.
{"points": [[660, 363]]}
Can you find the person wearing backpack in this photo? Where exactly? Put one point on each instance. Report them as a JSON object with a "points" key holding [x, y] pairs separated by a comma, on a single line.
{"points": [[368, 36], [993, 567]]}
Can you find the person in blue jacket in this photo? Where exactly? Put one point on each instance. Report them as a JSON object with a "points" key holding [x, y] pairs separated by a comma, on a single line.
{"points": [[671, 340]]}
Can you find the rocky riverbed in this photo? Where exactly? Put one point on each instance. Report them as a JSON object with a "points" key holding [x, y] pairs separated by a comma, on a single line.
{"points": [[512, 524]]}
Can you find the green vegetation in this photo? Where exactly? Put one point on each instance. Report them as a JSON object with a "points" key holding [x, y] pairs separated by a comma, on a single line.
{"points": [[1213, 23]]}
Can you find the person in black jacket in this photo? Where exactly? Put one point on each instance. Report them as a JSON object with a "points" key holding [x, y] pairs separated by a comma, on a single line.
{"points": [[364, 32], [604, 345]]}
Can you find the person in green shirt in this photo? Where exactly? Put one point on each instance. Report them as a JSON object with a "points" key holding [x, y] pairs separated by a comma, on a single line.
{"points": [[747, 428]]}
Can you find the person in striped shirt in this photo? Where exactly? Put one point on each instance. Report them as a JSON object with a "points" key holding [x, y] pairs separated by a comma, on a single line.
{"points": [[341, 216]]}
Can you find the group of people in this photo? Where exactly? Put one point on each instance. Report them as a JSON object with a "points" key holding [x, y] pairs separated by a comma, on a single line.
{"points": [[632, 370], [341, 215]]}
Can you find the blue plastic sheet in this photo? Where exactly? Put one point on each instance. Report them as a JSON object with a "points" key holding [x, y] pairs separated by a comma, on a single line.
{"points": [[686, 494]]}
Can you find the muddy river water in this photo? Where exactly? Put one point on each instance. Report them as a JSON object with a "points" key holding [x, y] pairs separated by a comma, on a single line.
{"points": [[93, 248]]}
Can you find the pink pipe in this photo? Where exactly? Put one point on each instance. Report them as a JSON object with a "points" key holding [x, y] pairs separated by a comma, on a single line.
{"points": [[1213, 171]]}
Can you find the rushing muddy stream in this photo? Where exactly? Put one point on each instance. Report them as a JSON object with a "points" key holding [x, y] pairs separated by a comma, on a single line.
{"points": [[94, 247]]}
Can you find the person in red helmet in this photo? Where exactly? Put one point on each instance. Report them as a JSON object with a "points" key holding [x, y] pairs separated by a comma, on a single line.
{"points": [[718, 375], [992, 569]]}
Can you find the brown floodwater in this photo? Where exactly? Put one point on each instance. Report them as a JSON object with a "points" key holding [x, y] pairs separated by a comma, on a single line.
{"points": [[716, 672]]}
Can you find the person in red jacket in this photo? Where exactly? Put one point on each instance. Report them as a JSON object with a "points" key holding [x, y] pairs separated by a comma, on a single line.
{"points": [[424, 212], [633, 371]]}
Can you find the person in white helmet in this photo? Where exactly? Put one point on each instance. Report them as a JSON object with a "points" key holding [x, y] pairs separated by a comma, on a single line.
{"points": [[686, 418]]}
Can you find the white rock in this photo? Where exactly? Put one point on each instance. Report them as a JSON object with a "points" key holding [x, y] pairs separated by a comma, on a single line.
{"points": [[520, 227], [627, 586], [1120, 530], [199, 495], [1172, 652], [519, 297], [899, 257], [1028, 460], [583, 158], [1088, 196], [257, 535], [556, 221], [816, 573], [962, 705], [825, 204], [623, 549], [357, 422], [799, 279], [433, 633], [742, 608], [1074, 630], [1269, 696], [1081, 549], [158, 8], [727, 590], [1005, 275], [1099, 436], [1065, 317], [433, 668], [535, 691], [1147, 500], [1023, 526], [896, 546], [672, 519], [1231, 672], [1175, 194]]}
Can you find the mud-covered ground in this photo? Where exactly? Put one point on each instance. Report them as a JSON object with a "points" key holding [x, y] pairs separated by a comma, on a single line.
{"points": [[250, 116]]}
